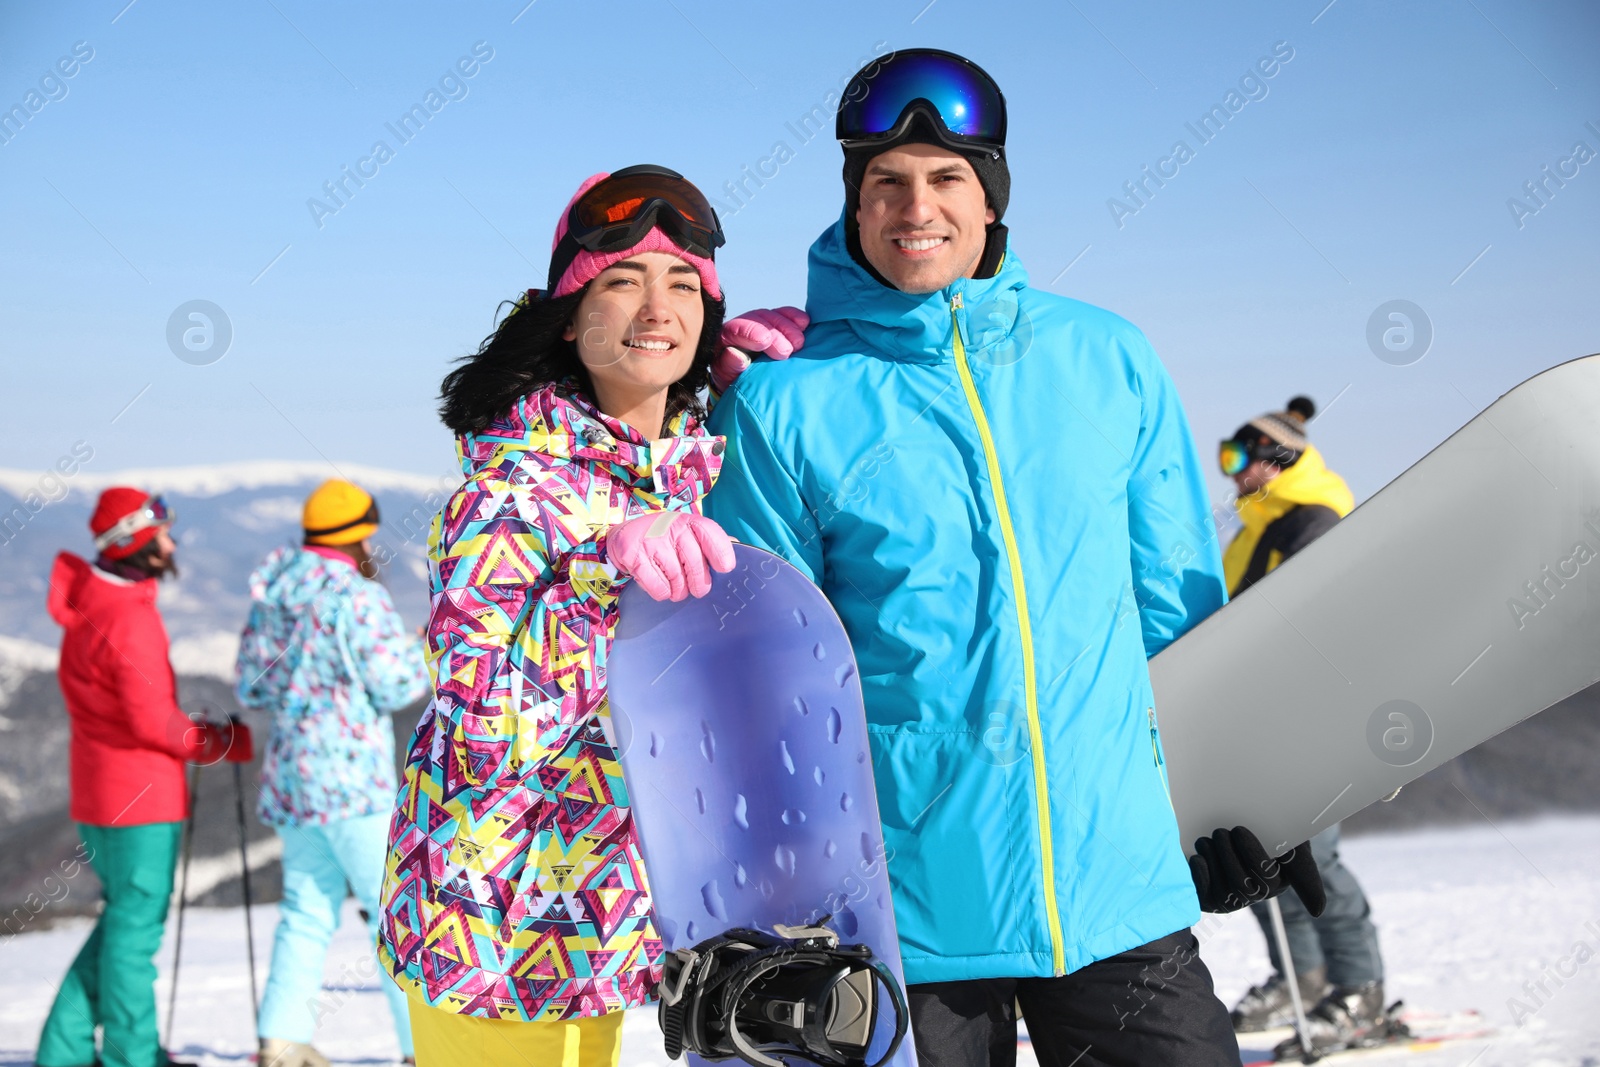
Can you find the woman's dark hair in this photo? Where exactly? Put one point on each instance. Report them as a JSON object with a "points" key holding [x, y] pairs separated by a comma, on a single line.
{"points": [[527, 352]]}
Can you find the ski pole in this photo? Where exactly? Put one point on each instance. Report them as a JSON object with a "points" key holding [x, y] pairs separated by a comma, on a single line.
{"points": [[244, 864], [183, 901], [1301, 1029]]}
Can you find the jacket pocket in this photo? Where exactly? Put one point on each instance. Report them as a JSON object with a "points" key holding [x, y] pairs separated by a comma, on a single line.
{"points": [[952, 831]]}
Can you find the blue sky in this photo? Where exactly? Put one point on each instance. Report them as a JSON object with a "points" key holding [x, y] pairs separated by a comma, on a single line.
{"points": [[177, 163]]}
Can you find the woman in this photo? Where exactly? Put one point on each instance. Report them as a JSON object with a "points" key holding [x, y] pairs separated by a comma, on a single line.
{"points": [[328, 657], [516, 911]]}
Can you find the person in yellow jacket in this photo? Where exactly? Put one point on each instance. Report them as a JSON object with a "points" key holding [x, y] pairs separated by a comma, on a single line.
{"points": [[1288, 498]]}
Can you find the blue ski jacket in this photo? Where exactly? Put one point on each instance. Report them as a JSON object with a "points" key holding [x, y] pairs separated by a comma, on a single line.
{"points": [[326, 654], [997, 489]]}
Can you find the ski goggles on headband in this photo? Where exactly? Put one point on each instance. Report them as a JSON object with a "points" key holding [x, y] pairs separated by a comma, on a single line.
{"points": [[618, 212], [153, 512], [964, 104]]}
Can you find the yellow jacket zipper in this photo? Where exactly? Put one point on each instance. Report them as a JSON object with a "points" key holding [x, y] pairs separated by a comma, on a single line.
{"points": [[1035, 734]]}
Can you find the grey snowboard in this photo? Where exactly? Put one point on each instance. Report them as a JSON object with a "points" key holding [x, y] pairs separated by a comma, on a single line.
{"points": [[1458, 601]]}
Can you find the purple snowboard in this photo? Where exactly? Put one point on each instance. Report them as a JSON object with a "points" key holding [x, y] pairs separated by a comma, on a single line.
{"points": [[743, 742]]}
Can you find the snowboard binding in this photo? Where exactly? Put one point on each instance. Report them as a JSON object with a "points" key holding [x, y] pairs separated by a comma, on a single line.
{"points": [[795, 993]]}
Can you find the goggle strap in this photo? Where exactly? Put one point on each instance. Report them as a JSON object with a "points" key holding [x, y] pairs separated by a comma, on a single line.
{"points": [[369, 517], [131, 523]]}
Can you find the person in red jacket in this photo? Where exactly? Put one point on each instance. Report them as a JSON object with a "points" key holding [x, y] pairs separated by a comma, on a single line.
{"points": [[130, 741]]}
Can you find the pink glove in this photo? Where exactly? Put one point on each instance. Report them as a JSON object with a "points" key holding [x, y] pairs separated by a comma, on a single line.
{"points": [[668, 552], [778, 334]]}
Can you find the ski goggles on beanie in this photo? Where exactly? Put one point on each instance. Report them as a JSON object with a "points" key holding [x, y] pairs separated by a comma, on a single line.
{"points": [[1234, 457], [620, 214], [795, 993], [1237, 453], [964, 105], [123, 534]]}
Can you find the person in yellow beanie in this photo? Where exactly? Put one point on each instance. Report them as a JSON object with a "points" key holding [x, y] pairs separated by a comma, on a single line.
{"points": [[326, 654], [1288, 498], [341, 514]]}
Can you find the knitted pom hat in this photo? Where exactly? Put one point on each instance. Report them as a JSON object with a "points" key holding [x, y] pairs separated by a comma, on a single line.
{"points": [[586, 266], [1286, 429], [115, 504]]}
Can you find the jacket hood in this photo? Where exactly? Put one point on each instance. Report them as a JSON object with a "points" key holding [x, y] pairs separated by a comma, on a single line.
{"points": [[78, 589], [292, 576], [1309, 481], [911, 327]]}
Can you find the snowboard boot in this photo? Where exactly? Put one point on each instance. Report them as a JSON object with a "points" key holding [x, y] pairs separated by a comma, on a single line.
{"points": [[276, 1052], [1269, 1005], [1348, 1017]]}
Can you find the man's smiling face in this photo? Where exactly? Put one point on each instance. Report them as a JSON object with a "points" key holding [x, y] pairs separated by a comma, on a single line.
{"points": [[923, 217]]}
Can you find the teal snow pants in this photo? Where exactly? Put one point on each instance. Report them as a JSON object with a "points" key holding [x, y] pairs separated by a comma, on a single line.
{"points": [[112, 983]]}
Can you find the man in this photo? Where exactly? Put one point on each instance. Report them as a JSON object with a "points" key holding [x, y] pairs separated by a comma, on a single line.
{"points": [[1288, 498], [129, 744], [997, 489], [325, 653]]}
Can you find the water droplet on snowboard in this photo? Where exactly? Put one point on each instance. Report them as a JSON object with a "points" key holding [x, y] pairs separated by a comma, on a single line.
{"points": [[656, 744], [708, 742], [793, 816], [845, 803], [741, 811], [819, 651], [820, 775], [739, 877], [844, 674], [800, 617], [829, 849], [801, 704], [712, 896], [784, 858], [783, 751], [835, 725], [699, 800], [844, 920]]}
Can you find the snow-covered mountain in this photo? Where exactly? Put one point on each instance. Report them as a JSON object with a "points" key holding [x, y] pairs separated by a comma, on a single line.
{"points": [[229, 517]]}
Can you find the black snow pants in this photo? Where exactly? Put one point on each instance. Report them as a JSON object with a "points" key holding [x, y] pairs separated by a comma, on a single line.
{"points": [[1150, 1005]]}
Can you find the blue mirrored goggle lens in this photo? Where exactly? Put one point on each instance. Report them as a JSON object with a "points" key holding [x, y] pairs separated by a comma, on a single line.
{"points": [[967, 101]]}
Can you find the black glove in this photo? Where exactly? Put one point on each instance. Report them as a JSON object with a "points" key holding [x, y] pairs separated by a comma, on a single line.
{"points": [[1231, 869]]}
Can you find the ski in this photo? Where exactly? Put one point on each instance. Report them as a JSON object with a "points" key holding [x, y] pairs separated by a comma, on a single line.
{"points": [[1420, 1032]]}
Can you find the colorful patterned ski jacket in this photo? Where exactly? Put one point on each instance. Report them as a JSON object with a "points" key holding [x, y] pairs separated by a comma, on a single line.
{"points": [[514, 887], [327, 656], [997, 489]]}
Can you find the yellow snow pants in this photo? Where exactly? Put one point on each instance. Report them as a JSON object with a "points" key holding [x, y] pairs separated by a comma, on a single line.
{"points": [[444, 1039]]}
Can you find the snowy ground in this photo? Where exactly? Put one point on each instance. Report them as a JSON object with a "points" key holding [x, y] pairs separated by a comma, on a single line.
{"points": [[1466, 916]]}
